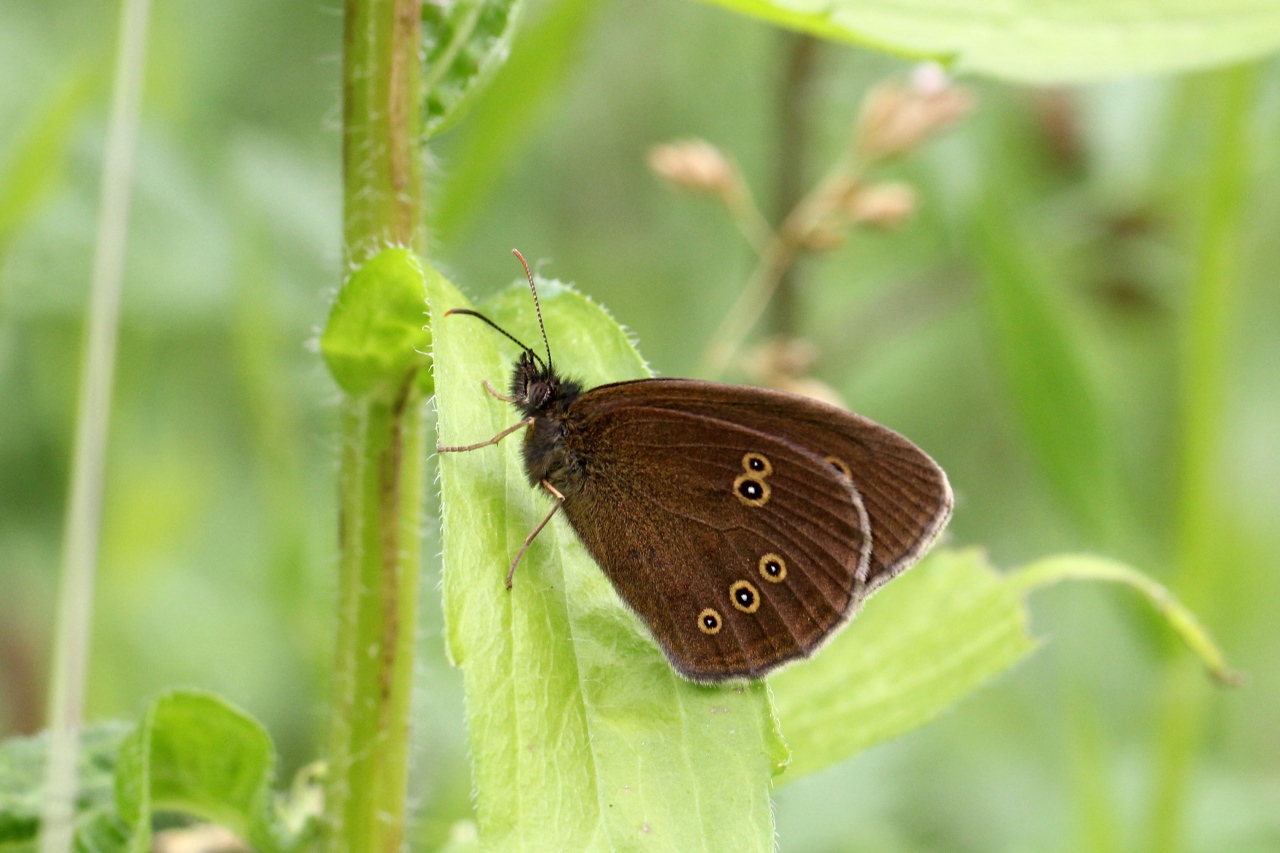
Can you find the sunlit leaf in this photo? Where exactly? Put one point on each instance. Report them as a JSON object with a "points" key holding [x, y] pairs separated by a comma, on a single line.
{"points": [[1045, 41], [929, 639], [921, 644], [582, 736]]}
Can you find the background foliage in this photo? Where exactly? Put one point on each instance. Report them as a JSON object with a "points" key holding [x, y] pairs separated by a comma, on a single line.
{"points": [[1057, 238]]}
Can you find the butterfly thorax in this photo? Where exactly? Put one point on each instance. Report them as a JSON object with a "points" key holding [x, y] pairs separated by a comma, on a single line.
{"points": [[539, 393]]}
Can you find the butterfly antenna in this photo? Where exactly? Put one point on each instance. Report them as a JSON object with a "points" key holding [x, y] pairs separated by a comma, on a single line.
{"points": [[518, 342], [536, 306]]}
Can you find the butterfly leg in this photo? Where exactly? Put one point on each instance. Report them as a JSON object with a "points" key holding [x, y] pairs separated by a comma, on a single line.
{"points": [[528, 540], [440, 448], [494, 393]]}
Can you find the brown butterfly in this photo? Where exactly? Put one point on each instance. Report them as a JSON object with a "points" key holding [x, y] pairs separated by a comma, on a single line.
{"points": [[744, 526]]}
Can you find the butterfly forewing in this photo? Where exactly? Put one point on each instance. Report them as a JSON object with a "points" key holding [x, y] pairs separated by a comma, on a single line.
{"points": [[739, 548], [906, 494]]}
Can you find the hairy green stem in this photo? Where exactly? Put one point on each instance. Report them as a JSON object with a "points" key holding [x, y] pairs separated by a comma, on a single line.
{"points": [[381, 115], [382, 460], [1206, 345], [382, 450]]}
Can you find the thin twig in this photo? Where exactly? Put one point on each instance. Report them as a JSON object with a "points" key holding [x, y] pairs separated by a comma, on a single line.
{"points": [[749, 220], [777, 258]]}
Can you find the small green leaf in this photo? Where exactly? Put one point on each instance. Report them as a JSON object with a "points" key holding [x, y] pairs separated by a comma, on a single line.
{"points": [[377, 337], [464, 42], [101, 831], [198, 755], [22, 778], [1044, 41], [921, 644], [582, 736]]}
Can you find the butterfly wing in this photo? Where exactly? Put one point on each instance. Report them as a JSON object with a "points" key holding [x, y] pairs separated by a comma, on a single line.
{"points": [[740, 549], [906, 494]]}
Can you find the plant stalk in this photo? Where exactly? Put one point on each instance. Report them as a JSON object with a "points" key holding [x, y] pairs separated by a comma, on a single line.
{"points": [[84, 509], [381, 119], [793, 106], [1205, 354], [380, 544], [382, 447]]}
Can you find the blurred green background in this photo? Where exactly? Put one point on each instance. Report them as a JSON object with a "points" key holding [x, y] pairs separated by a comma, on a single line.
{"points": [[1030, 329]]}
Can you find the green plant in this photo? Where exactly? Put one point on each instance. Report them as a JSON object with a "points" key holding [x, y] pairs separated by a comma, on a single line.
{"points": [[559, 661]]}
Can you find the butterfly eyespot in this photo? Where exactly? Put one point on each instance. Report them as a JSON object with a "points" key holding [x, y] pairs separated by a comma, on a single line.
{"points": [[840, 465], [744, 596], [709, 621], [757, 462], [773, 568], [751, 491]]}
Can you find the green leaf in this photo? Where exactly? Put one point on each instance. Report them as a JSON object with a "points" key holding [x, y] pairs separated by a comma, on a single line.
{"points": [[377, 337], [582, 737], [101, 831], [1043, 41], [22, 778], [464, 42], [198, 755], [503, 122], [1040, 354], [930, 638], [921, 644]]}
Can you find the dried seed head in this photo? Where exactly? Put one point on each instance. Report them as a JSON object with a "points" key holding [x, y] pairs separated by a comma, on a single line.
{"points": [[885, 205], [897, 118], [823, 238], [807, 386], [783, 363], [694, 165]]}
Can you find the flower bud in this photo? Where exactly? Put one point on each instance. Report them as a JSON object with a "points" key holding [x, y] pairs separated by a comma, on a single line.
{"points": [[694, 165], [885, 205], [897, 118], [198, 838]]}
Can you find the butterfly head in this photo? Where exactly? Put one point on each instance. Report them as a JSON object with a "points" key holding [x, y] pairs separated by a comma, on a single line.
{"points": [[536, 388]]}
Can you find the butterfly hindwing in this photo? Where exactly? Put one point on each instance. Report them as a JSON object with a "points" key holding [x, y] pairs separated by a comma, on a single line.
{"points": [[740, 549], [906, 494]]}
